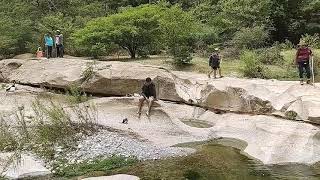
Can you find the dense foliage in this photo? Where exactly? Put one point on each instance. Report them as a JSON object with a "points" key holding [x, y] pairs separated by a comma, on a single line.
{"points": [[178, 27]]}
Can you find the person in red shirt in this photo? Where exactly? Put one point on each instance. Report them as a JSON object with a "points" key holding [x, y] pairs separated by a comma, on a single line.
{"points": [[303, 61]]}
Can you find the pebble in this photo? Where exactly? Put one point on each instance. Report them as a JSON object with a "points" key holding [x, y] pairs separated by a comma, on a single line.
{"points": [[107, 144]]}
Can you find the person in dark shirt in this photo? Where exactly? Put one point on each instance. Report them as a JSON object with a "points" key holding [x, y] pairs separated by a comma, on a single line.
{"points": [[214, 63], [148, 94]]}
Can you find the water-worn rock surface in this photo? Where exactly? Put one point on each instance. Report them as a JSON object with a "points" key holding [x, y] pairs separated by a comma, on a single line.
{"points": [[269, 139], [13, 167], [228, 108], [286, 99]]}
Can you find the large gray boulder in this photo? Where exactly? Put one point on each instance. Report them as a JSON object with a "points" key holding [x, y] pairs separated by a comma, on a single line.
{"points": [[268, 97]]}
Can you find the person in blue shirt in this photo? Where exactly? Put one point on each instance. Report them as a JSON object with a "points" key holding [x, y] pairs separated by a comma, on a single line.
{"points": [[49, 45]]}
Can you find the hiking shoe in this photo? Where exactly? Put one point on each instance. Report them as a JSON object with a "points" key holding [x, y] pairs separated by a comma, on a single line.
{"points": [[309, 82], [301, 82]]}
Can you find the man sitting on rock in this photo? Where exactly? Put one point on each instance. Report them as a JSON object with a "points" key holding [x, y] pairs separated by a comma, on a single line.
{"points": [[148, 94]]}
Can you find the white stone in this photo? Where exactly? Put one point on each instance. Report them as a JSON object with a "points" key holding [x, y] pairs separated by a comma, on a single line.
{"points": [[25, 166]]}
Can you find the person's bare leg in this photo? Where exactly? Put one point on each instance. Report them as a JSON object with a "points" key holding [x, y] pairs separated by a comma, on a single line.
{"points": [[150, 103], [220, 74], [210, 73], [215, 73], [141, 101]]}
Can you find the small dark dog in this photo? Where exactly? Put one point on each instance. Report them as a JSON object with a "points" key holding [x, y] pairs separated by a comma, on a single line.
{"points": [[125, 121]]}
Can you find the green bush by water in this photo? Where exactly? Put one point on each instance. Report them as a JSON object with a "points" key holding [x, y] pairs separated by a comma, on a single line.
{"points": [[103, 165]]}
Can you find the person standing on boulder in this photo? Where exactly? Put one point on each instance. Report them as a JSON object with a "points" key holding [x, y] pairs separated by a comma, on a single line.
{"points": [[49, 44], [303, 61], [148, 94], [59, 44], [214, 63]]}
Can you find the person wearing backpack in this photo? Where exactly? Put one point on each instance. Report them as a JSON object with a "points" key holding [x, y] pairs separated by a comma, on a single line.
{"points": [[214, 63], [49, 44], [303, 61], [59, 44]]}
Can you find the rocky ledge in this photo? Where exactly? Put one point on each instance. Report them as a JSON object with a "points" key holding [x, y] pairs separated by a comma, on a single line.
{"points": [[269, 97]]}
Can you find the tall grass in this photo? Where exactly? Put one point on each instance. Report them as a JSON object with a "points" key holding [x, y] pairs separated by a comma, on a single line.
{"points": [[52, 126], [89, 72]]}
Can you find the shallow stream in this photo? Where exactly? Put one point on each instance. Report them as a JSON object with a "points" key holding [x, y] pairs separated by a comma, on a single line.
{"points": [[220, 159]]}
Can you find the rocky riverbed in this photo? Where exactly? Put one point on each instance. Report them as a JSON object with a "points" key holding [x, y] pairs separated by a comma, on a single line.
{"points": [[247, 110], [106, 144]]}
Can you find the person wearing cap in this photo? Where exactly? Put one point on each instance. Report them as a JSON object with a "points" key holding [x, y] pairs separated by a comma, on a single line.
{"points": [[303, 61], [59, 44], [48, 44], [148, 94], [214, 63]]}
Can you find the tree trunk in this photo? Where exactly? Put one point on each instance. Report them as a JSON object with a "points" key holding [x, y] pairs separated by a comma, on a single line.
{"points": [[132, 54]]}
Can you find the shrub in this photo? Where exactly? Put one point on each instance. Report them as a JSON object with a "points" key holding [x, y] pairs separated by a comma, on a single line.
{"points": [[287, 45], [231, 53], [95, 165], [181, 55], [312, 40], [251, 66], [89, 72], [291, 115], [270, 56], [52, 126], [75, 95], [250, 38], [8, 140], [192, 175]]}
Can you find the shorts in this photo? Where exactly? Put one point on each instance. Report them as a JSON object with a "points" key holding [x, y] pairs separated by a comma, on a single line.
{"points": [[216, 67], [147, 96]]}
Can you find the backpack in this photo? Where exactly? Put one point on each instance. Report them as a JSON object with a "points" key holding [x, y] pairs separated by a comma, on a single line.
{"points": [[214, 59]]}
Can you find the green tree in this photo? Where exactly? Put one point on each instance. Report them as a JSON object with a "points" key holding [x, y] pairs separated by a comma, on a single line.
{"points": [[250, 38], [179, 31], [135, 29], [16, 30], [223, 18], [293, 18]]}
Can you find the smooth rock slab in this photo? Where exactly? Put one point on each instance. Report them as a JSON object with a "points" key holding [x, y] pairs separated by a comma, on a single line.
{"points": [[119, 78], [115, 177], [25, 166], [269, 139]]}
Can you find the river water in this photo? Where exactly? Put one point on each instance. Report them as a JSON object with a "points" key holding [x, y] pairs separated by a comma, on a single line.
{"points": [[216, 161]]}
